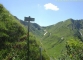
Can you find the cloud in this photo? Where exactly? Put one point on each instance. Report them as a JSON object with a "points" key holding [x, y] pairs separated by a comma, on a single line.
{"points": [[51, 6]]}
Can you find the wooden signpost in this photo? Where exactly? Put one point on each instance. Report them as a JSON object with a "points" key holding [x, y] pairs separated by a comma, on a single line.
{"points": [[28, 19]]}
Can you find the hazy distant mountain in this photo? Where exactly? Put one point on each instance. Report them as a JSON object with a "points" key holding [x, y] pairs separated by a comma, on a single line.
{"points": [[36, 29]]}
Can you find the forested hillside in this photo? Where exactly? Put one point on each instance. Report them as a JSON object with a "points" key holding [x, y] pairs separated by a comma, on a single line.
{"points": [[13, 38]]}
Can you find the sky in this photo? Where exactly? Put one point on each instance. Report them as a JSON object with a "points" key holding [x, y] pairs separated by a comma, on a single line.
{"points": [[45, 12]]}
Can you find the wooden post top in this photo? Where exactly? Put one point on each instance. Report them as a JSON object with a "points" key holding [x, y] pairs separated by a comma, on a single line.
{"points": [[29, 19]]}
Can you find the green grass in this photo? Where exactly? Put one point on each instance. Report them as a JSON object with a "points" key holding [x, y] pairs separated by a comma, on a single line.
{"points": [[13, 39], [67, 30]]}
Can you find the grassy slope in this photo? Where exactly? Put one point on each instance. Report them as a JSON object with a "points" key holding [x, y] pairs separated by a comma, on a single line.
{"points": [[13, 39], [60, 33]]}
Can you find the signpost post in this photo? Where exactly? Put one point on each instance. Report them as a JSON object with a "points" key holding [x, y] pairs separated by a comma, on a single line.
{"points": [[28, 19], [40, 49]]}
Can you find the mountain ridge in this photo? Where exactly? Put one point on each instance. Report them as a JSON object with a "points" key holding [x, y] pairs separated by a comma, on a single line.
{"points": [[60, 34]]}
